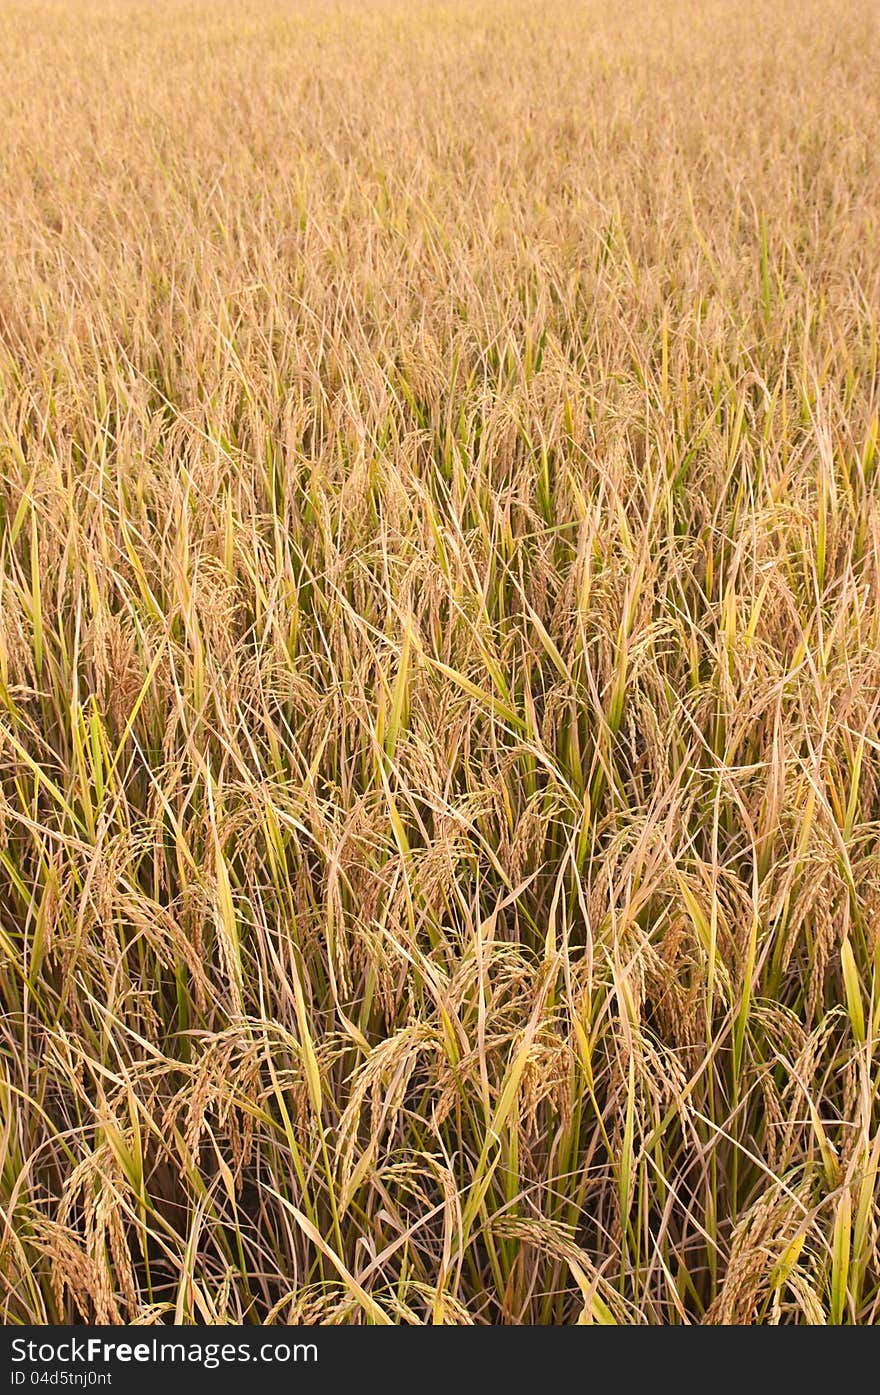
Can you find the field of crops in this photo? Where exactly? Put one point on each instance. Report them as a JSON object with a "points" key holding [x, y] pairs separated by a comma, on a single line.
{"points": [[439, 661]]}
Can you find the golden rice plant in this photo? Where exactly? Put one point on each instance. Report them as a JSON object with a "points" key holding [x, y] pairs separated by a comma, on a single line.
{"points": [[439, 661]]}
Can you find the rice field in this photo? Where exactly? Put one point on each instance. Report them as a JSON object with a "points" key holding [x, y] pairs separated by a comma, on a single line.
{"points": [[439, 662]]}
